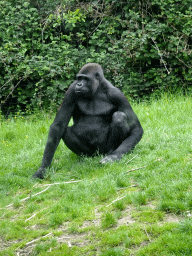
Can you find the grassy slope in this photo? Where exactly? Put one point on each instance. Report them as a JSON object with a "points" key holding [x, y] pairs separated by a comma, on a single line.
{"points": [[82, 218]]}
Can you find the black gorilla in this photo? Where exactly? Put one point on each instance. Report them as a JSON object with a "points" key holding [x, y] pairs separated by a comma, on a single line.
{"points": [[103, 119]]}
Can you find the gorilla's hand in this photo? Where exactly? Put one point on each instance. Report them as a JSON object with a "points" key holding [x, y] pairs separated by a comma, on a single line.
{"points": [[39, 173], [110, 158]]}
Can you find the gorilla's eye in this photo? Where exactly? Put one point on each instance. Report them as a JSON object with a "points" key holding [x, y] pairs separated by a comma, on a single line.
{"points": [[82, 78], [79, 78], [97, 76]]}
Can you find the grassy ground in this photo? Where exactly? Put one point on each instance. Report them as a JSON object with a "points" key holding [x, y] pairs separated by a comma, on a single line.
{"points": [[110, 210]]}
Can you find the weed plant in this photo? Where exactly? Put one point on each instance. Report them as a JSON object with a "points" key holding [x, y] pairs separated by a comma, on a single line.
{"points": [[108, 211]]}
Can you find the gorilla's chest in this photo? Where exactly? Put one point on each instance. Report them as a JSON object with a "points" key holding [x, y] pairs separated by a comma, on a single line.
{"points": [[95, 107]]}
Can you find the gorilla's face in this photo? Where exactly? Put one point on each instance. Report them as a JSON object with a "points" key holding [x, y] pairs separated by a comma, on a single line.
{"points": [[86, 85]]}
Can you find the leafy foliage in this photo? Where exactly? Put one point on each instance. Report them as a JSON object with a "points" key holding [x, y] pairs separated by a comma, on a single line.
{"points": [[142, 46]]}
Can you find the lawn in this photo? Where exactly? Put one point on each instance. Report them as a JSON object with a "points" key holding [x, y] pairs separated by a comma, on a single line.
{"points": [[141, 205]]}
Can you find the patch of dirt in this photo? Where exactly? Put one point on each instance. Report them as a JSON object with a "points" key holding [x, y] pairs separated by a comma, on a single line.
{"points": [[126, 219], [64, 226], [5, 244], [25, 251], [74, 239], [134, 249], [169, 217], [151, 205], [89, 223]]}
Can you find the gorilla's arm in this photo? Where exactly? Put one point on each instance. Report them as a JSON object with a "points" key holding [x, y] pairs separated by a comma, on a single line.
{"points": [[135, 130], [57, 129]]}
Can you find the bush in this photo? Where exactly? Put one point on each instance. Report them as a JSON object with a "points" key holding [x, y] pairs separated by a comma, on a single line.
{"points": [[142, 46]]}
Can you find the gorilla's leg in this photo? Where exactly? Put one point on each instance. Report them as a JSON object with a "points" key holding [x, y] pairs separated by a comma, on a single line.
{"points": [[119, 130], [75, 144]]}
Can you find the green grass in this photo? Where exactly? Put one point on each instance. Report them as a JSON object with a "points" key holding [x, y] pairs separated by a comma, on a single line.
{"points": [[109, 211]]}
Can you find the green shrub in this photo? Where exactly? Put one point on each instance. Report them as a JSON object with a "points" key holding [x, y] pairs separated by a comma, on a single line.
{"points": [[142, 46]]}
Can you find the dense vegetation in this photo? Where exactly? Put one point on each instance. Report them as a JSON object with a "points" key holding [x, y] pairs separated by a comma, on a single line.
{"points": [[142, 46]]}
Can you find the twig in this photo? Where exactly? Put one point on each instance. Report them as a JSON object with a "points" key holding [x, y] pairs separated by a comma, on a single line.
{"points": [[183, 62], [63, 237], [96, 28], [115, 201], [131, 159], [8, 81], [43, 30], [38, 239], [31, 217], [49, 185], [35, 184], [15, 87], [132, 186], [135, 169], [2, 216], [66, 182], [24, 199], [157, 48], [7, 206], [147, 235]]}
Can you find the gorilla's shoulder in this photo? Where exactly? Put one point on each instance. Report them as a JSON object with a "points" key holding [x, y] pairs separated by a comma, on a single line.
{"points": [[112, 90]]}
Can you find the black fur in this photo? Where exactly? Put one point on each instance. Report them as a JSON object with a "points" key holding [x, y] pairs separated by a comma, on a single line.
{"points": [[103, 120]]}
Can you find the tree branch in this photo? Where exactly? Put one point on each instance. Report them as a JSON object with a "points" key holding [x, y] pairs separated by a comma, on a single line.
{"points": [[136, 169]]}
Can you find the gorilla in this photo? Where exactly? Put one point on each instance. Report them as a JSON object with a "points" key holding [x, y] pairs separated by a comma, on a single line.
{"points": [[104, 121]]}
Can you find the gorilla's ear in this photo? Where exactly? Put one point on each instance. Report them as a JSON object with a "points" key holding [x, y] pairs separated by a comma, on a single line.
{"points": [[97, 75]]}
